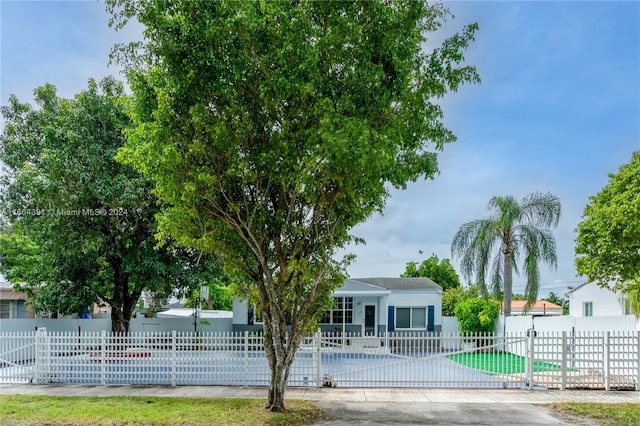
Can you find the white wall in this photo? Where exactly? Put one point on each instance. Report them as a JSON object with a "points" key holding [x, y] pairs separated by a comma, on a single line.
{"points": [[450, 325], [54, 325], [181, 325], [240, 312], [164, 325], [558, 324], [605, 302], [358, 309]]}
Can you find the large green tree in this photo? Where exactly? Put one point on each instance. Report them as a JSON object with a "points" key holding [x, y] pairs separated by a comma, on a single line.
{"points": [[440, 271], [81, 226], [491, 246], [608, 242], [270, 129]]}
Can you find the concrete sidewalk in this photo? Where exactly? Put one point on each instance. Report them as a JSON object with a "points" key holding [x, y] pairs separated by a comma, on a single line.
{"points": [[353, 395]]}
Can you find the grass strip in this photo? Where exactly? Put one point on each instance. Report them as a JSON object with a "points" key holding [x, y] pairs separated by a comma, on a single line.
{"points": [[622, 414], [161, 411]]}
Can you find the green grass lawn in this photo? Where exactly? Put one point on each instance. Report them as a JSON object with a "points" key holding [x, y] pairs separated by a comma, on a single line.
{"points": [[499, 363], [625, 414], [117, 410]]}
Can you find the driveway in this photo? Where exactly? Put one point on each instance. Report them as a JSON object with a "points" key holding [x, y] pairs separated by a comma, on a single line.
{"points": [[447, 413]]}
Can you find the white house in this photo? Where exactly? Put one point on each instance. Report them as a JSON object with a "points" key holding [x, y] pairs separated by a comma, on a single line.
{"points": [[371, 306], [591, 300]]}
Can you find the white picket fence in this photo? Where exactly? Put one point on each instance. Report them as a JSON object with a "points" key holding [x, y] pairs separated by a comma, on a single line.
{"points": [[603, 360]]}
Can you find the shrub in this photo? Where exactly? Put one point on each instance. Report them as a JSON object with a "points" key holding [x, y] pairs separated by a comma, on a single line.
{"points": [[477, 315]]}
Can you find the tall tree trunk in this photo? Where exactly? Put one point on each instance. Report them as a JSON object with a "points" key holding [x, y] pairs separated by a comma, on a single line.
{"points": [[508, 282], [276, 353], [123, 302], [118, 322]]}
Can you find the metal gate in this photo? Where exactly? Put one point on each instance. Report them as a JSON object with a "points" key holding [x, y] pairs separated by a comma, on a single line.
{"points": [[424, 360], [17, 355]]}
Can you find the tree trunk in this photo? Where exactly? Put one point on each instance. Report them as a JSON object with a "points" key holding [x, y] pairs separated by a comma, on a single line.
{"points": [[277, 387], [118, 322], [123, 302], [508, 283], [276, 350]]}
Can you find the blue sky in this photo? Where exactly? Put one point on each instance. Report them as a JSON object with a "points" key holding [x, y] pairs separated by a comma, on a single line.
{"points": [[557, 110]]}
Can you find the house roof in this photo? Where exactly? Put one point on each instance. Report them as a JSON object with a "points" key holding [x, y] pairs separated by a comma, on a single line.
{"points": [[576, 288], [353, 287], [7, 293], [583, 285], [419, 283], [543, 307], [539, 304]]}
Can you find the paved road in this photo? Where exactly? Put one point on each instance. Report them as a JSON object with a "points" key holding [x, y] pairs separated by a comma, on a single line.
{"points": [[380, 406]]}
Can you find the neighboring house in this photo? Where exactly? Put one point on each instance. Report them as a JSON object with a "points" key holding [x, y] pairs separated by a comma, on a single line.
{"points": [[591, 300], [13, 305], [540, 308], [371, 306]]}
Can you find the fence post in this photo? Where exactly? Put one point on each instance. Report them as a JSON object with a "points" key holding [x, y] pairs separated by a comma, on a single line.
{"points": [[38, 361], [246, 357], [638, 359], [43, 350], [563, 385], [173, 358], [530, 361], [103, 361], [319, 357], [607, 356]]}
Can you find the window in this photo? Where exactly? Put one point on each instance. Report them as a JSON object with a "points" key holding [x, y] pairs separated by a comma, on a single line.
{"points": [[411, 318], [627, 309], [587, 309], [8, 309], [334, 316]]}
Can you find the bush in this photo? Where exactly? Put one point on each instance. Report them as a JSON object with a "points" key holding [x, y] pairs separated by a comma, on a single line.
{"points": [[477, 315]]}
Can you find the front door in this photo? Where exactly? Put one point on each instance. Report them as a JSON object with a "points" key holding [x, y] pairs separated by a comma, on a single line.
{"points": [[370, 320]]}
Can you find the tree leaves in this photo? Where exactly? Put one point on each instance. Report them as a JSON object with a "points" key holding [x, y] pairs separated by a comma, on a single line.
{"points": [[82, 226], [440, 271], [270, 129], [608, 242]]}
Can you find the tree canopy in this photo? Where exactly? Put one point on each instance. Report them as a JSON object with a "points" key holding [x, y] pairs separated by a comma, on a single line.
{"points": [[492, 246], [608, 242], [270, 129], [439, 271], [81, 226]]}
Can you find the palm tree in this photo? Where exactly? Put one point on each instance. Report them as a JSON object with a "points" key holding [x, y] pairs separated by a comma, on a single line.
{"points": [[493, 245]]}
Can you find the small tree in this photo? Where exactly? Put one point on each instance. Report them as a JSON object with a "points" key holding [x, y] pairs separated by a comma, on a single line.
{"points": [[477, 315], [453, 296]]}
